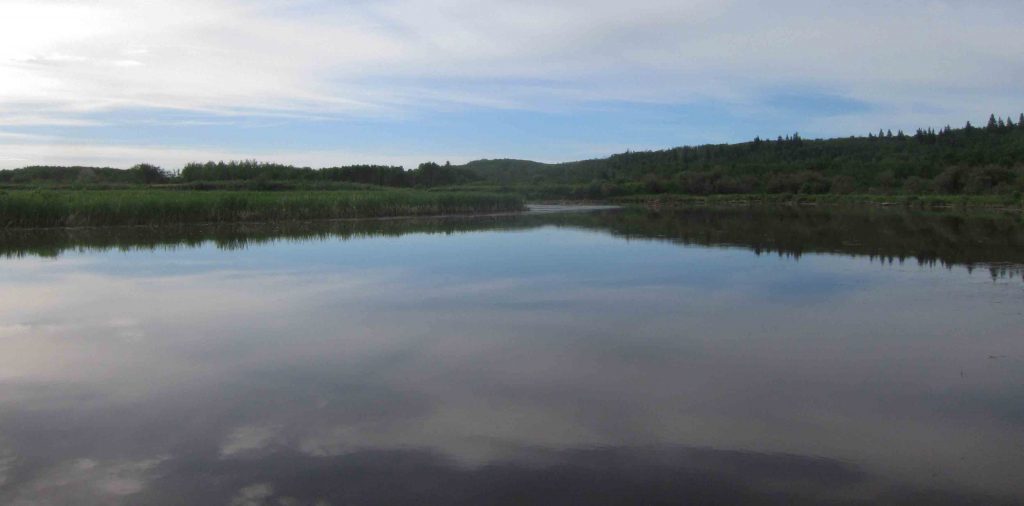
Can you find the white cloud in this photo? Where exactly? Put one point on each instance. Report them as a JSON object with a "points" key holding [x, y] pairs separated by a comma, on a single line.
{"points": [[245, 439], [915, 62], [87, 481], [227, 55], [253, 495]]}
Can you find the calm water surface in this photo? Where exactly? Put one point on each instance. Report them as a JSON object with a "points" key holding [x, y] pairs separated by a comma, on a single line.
{"points": [[744, 356]]}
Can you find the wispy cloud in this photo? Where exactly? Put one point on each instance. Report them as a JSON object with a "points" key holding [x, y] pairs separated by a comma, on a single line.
{"points": [[67, 64]]}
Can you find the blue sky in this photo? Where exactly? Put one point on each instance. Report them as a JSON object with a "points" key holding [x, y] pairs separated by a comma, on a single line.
{"points": [[321, 83]]}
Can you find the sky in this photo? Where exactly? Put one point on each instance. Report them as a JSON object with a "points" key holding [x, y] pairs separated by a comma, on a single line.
{"points": [[326, 83]]}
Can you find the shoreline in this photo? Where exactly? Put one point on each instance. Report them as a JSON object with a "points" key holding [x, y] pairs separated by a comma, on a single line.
{"points": [[933, 202], [528, 209], [46, 209]]}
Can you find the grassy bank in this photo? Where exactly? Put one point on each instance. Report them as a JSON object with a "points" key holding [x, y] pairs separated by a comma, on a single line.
{"points": [[41, 208], [200, 186], [910, 201]]}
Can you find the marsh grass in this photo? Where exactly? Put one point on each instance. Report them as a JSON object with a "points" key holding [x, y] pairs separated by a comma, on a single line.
{"points": [[41, 208]]}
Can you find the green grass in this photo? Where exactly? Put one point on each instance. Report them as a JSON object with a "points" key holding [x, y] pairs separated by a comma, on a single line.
{"points": [[45, 208]]}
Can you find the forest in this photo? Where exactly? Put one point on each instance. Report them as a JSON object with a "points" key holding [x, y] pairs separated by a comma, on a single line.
{"points": [[261, 175], [968, 160], [971, 160]]}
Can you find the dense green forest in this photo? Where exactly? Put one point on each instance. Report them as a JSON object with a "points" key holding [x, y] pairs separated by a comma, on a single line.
{"points": [[262, 175], [142, 173], [969, 160], [426, 175]]}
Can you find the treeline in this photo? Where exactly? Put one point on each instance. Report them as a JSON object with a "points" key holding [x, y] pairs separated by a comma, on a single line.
{"points": [[426, 175], [261, 173], [968, 160], [142, 173], [248, 170]]}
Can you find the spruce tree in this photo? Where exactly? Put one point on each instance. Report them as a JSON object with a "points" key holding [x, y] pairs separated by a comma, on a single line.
{"points": [[992, 125], [1020, 122]]}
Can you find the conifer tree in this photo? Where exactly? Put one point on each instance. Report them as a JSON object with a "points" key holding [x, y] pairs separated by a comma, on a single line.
{"points": [[992, 125]]}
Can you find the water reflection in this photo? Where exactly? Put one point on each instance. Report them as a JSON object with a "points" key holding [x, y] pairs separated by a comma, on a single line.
{"points": [[993, 240], [521, 363]]}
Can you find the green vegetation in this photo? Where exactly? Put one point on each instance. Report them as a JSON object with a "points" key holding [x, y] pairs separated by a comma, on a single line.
{"points": [[35, 208], [966, 161], [244, 175], [968, 166], [36, 175]]}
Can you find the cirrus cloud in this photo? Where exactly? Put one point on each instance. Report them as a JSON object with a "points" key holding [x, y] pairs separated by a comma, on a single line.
{"points": [[68, 64]]}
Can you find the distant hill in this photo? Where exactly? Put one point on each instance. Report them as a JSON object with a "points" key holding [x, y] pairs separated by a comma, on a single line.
{"points": [[968, 160], [965, 160], [506, 164]]}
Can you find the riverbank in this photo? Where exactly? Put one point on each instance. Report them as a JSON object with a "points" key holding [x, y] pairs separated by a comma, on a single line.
{"points": [[1008, 202], [86, 208]]}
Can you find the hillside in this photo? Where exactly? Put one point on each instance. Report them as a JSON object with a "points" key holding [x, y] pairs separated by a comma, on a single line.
{"points": [[952, 161], [968, 160]]}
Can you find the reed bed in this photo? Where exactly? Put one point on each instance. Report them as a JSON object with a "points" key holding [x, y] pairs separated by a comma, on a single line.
{"points": [[37, 209]]}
